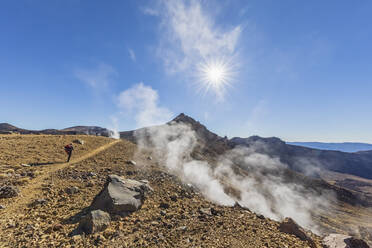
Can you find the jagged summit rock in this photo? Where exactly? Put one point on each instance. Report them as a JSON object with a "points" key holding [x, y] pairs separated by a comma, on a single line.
{"points": [[210, 143], [121, 196], [185, 118]]}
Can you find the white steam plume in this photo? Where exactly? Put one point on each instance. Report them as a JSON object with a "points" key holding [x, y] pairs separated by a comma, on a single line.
{"points": [[113, 129], [260, 191], [261, 182]]}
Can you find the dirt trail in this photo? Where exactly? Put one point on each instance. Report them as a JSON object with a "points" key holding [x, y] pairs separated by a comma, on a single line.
{"points": [[28, 192]]}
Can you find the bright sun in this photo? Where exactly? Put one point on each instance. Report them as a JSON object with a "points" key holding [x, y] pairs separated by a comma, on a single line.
{"points": [[215, 75]]}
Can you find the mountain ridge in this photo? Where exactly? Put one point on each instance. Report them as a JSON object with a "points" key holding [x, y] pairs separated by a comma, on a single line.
{"points": [[302, 159], [6, 128], [335, 146]]}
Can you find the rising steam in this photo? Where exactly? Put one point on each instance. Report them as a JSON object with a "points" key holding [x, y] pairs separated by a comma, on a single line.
{"points": [[262, 192]]}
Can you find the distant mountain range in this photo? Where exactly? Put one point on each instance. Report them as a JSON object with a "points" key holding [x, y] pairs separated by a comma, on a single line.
{"points": [[302, 159], [6, 128], [299, 158], [343, 147]]}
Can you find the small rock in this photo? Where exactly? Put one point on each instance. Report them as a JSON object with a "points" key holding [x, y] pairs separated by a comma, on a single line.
{"points": [[343, 241], [57, 227], [214, 211], [173, 198], [8, 191], [164, 205], [11, 225], [78, 141], [205, 211], [131, 162], [48, 230], [95, 221], [130, 173], [149, 158], [260, 216], [29, 227], [182, 228], [30, 174], [90, 184], [92, 174], [40, 201], [98, 239], [2, 206], [72, 190]]}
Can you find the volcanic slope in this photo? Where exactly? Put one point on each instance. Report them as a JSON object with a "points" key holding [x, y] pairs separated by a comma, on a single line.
{"points": [[172, 215], [349, 212]]}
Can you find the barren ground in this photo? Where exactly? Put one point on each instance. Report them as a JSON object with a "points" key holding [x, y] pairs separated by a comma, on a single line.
{"points": [[26, 222]]}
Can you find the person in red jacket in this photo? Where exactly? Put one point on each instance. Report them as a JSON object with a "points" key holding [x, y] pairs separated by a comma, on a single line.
{"points": [[68, 149]]}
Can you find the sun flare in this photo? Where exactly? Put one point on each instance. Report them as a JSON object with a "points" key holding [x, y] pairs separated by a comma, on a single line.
{"points": [[215, 75]]}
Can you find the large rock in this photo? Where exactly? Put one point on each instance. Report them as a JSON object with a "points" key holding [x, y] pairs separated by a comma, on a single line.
{"points": [[291, 227], [121, 196], [8, 191], [343, 241], [95, 221]]}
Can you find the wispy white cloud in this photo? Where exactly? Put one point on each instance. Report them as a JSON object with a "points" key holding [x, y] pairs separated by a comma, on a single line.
{"points": [[132, 55], [98, 77], [141, 101], [190, 36], [153, 11]]}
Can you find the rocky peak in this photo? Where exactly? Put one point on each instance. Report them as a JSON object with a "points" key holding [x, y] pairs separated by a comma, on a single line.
{"points": [[202, 132], [186, 119]]}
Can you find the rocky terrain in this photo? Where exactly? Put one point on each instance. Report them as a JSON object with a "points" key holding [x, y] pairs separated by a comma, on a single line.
{"points": [[349, 213], [173, 214], [48, 203]]}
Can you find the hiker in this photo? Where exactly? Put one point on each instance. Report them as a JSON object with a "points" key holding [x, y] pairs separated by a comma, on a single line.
{"points": [[68, 149]]}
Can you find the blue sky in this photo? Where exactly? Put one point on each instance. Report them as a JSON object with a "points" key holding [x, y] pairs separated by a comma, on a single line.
{"points": [[298, 70]]}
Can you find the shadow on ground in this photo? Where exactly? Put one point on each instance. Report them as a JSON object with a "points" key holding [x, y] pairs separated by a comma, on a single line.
{"points": [[77, 217], [45, 163]]}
